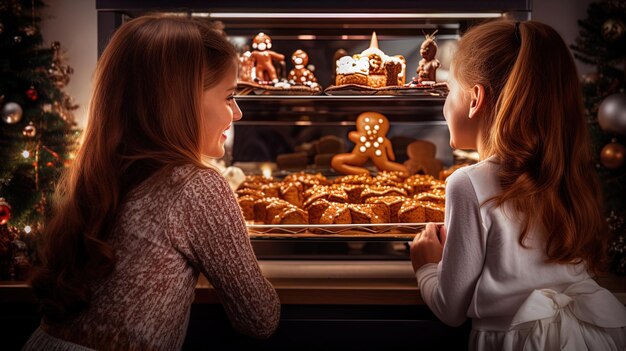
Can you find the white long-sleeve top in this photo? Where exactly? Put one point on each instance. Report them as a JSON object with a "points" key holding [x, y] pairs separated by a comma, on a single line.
{"points": [[485, 274]]}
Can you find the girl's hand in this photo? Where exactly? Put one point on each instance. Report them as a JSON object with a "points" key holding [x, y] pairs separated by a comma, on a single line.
{"points": [[427, 247]]}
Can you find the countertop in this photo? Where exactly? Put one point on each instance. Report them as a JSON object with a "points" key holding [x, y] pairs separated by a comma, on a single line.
{"points": [[325, 282]]}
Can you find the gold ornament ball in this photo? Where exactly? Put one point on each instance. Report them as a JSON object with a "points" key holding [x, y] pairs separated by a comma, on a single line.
{"points": [[612, 155], [613, 30]]}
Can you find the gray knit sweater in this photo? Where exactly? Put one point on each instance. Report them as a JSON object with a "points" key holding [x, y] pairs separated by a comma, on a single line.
{"points": [[167, 233]]}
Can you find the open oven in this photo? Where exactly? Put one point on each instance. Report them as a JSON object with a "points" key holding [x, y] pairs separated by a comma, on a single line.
{"points": [[281, 129]]}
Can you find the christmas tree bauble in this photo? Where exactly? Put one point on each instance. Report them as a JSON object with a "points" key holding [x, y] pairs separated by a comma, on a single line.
{"points": [[29, 131], [11, 113], [612, 114], [612, 155], [5, 211], [613, 30], [32, 93]]}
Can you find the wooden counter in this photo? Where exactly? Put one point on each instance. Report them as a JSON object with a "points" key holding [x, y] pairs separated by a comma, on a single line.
{"points": [[335, 283], [344, 305], [325, 282]]}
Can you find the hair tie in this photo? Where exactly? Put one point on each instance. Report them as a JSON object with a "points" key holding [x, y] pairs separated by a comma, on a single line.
{"points": [[518, 36]]}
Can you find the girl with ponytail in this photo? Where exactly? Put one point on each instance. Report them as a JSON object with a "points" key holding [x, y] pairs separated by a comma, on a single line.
{"points": [[524, 231], [139, 215]]}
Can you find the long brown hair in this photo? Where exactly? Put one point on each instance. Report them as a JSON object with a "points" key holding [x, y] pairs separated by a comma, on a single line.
{"points": [[144, 119], [536, 127]]}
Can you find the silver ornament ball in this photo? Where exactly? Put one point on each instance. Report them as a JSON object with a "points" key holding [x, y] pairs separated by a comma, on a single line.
{"points": [[612, 114], [12, 113]]}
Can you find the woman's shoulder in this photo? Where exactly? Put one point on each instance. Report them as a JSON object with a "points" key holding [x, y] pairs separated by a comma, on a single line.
{"points": [[483, 168], [191, 177], [481, 178]]}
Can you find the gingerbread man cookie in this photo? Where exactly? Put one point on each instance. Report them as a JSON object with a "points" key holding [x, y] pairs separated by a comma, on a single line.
{"points": [[300, 75], [371, 143], [422, 159], [262, 57]]}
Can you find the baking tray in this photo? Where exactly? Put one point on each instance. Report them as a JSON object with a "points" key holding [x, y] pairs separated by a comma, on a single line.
{"points": [[247, 88], [340, 232], [436, 90]]}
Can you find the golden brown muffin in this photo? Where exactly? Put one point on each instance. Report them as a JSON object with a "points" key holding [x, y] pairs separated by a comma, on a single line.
{"points": [[369, 213], [260, 207], [308, 180], [412, 211], [438, 198], [354, 192], [247, 206], [271, 189], [390, 178], [292, 193], [326, 212], [257, 179], [378, 191], [419, 183], [330, 193], [392, 202], [434, 212], [289, 215], [255, 193], [360, 179]]}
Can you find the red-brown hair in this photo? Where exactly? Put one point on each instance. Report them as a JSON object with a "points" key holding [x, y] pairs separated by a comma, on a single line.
{"points": [[144, 119], [536, 127]]}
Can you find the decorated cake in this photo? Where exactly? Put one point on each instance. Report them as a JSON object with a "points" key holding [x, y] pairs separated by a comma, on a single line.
{"points": [[372, 68]]}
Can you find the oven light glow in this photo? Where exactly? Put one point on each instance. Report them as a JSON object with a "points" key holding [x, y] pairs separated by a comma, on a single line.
{"points": [[346, 15], [266, 168]]}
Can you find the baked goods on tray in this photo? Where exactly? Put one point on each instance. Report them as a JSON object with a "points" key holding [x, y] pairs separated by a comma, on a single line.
{"points": [[302, 198]]}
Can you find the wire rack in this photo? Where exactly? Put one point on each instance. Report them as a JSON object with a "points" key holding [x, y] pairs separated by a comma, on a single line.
{"points": [[384, 231]]}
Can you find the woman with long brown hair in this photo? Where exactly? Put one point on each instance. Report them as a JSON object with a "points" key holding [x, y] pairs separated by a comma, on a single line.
{"points": [[524, 229], [139, 214]]}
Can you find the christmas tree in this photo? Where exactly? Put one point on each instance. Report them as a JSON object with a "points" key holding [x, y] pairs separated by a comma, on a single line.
{"points": [[602, 43], [37, 131]]}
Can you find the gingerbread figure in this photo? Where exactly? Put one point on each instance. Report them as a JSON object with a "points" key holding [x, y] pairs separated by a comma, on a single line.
{"points": [[370, 143], [262, 57], [422, 159], [427, 68], [300, 75]]}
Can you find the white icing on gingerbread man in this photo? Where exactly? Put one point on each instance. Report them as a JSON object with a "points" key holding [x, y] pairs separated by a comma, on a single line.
{"points": [[370, 143]]}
